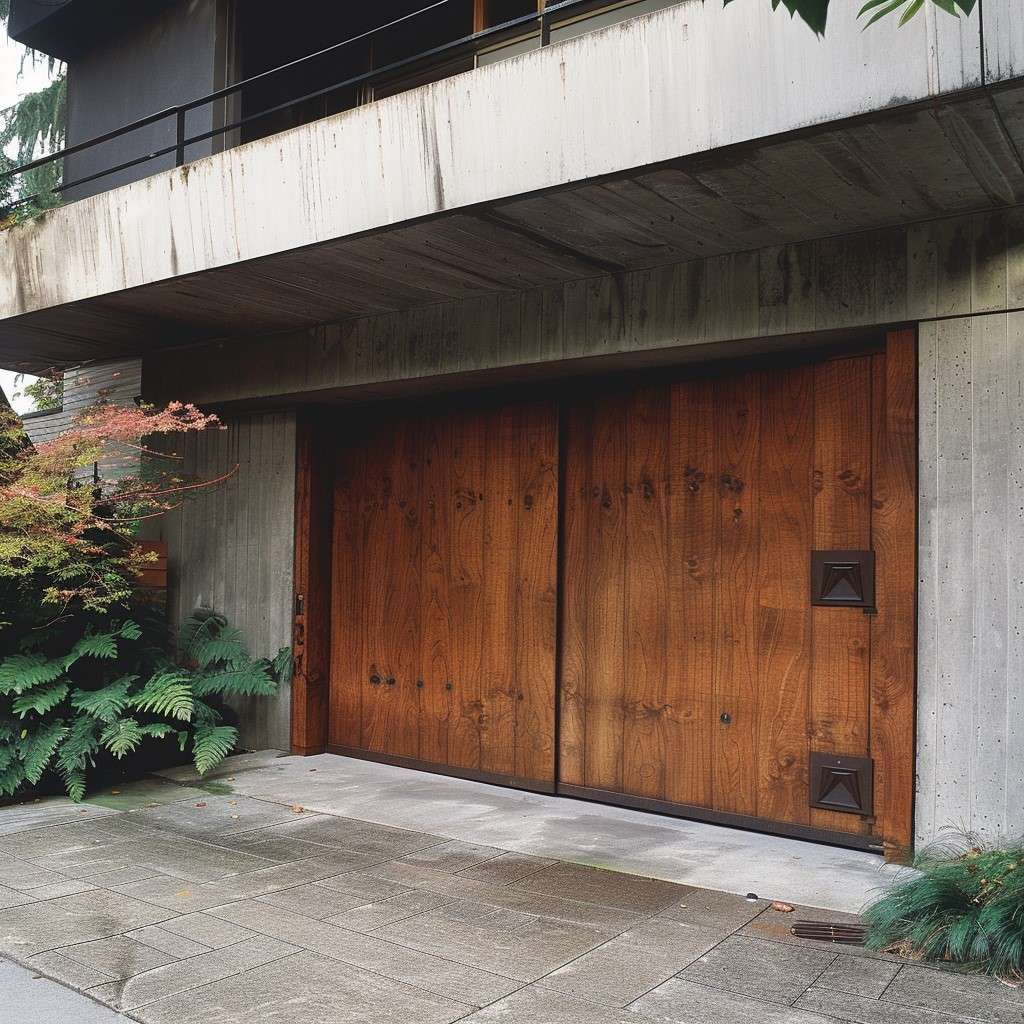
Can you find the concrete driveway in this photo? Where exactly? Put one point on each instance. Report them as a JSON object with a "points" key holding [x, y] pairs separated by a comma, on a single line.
{"points": [[175, 903]]}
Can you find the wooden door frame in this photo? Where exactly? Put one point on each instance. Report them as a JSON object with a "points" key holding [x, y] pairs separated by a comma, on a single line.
{"points": [[894, 640]]}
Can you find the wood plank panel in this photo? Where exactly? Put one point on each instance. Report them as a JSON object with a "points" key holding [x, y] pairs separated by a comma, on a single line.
{"points": [[645, 636], [606, 594], [349, 673], [499, 692], [738, 405], [840, 667], [536, 574], [392, 591], [464, 508], [692, 577], [436, 640], [784, 635], [576, 446], [893, 636]]}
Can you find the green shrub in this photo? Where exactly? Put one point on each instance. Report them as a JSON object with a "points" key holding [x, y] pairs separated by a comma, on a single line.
{"points": [[76, 688], [964, 904]]}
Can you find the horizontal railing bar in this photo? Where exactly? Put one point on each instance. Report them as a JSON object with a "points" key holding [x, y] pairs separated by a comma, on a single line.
{"points": [[469, 43]]}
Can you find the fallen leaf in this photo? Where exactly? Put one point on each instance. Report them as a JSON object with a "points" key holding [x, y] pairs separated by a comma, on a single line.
{"points": [[200, 804], [298, 808], [782, 908], [234, 817], [115, 792], [232, 803]]}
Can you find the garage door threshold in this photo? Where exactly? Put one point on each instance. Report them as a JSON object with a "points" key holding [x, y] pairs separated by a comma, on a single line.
{"points": [[637, 842]]}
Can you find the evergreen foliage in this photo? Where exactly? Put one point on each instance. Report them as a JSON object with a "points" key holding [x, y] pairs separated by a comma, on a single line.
{"points": [[73, 699], [963, 904]]}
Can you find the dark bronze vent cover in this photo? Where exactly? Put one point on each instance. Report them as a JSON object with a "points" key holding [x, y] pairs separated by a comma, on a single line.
{"points": [[841, 783], [843, 579]]}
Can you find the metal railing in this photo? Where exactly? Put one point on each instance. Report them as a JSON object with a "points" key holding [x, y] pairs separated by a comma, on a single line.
{"points": [[539, 22]]}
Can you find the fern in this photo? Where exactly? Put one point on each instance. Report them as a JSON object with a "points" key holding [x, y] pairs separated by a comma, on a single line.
{"points": [[283, 666], [107, 703], [167, 693], [211, 745], [20, 672], [38, 748], [248, 680], [74, 784], [40, 700], [79, 747], [12, 778], [122, 737]]}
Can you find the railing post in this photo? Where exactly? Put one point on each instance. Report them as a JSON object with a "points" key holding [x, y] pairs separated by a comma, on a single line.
{"points": [[545, 27], [179, 148]]}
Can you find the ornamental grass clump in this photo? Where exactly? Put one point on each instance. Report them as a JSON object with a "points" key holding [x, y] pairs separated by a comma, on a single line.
{"points": [[964, 904]]}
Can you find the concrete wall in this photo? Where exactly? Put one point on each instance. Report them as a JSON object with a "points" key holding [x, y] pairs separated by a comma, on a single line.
{"points": [[949, 267], [164, 60], [232, 548], [971, 599], [685, 80], [961, 279]]}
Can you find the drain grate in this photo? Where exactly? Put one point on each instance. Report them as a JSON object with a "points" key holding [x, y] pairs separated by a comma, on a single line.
{"points": [[830, 931]]}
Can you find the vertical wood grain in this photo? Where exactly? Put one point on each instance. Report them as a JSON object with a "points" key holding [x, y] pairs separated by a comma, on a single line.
{"points": [[464, 506], [499, 690], [435, 706], [693, 577], [893, 640], [840, 668], [349, 674], [572, 692], [536, 574], [784, 628], [606, 595], [738, 405], [645, 525]]}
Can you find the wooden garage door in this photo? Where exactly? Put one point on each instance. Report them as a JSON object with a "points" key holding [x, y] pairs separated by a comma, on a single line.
{"points": [[695, 672], [444, 606]]}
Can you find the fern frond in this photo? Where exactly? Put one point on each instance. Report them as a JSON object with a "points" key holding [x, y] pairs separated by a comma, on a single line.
{"points": [[283, 665], [204, 714], [226, 646], [20, 672], [11, 779], [40, 700], [167, 693], [244, 680], [158, 730], [197, 630], [211, 745], [74, 784], [94, 645], [122, 737], [79, 746], [107, 703], [38, 748]]}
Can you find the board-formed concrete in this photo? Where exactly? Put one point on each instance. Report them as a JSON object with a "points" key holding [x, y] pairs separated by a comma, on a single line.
{"points": [[689, 79], [358, 921]]}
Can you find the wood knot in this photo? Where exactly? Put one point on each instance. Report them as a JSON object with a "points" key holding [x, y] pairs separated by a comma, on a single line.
{"points": [[731, 484]]}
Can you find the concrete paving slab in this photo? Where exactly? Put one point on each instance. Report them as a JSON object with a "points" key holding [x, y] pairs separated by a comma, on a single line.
{"points": [[314, 901], [682, 1002], [195, 972], [89, 915], [864, 1010], [979, 998], [767, 971], [304, 989], [431, 973], [32, 998], [141, 793], [118, 957], [688, 852], [859, 976], [614, 974], [536, 1005]]}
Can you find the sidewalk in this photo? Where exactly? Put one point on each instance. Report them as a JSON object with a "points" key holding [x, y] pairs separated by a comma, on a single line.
{"points": [[180, 904]]}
